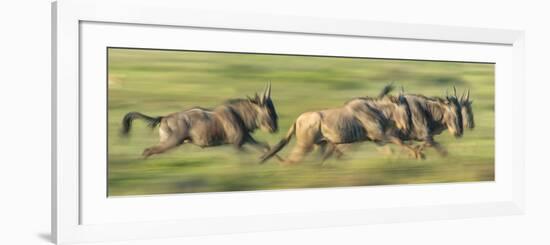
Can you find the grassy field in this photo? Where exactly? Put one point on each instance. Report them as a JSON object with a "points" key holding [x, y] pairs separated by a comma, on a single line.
{"points": [[160, 82]]}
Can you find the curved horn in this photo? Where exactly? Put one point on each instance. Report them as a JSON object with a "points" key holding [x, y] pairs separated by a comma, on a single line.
{"points": [[454, 88], [262, 96], [401, 96], [268, 90], [462, 96], [468, 95]]}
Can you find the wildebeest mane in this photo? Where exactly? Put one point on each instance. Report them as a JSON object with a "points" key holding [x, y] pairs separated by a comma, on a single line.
{"points": [[438, 99], [428, 114], [244, 110], [384, 104], [435, 109]]}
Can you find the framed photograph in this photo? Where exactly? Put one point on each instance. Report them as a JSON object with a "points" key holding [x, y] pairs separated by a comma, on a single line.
{"points": [[171, 122]]}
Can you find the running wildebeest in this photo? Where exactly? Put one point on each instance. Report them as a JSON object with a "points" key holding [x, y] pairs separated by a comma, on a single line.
{"points": [[230, 123], [360, 119], [430, 116]]}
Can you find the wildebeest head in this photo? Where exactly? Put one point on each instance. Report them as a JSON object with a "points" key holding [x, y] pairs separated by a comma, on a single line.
{"points": [[467, 112], [453, 115], [266, 115]]}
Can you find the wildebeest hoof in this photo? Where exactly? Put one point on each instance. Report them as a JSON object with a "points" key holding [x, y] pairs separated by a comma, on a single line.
{"points": [[418, 153], [146, 153]]}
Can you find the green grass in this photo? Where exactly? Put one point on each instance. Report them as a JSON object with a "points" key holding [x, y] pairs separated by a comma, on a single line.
{"points": [[160, 82]]}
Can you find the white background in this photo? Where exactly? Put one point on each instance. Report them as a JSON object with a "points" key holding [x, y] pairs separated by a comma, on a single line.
{"points": [[25, 122]]}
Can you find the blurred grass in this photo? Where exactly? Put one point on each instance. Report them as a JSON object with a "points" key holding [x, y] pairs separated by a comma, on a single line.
{"points": [[157, 82]]}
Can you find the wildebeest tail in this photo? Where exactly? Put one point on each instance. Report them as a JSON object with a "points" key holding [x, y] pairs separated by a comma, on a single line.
{"points": [[130, 116], [279, 145]]}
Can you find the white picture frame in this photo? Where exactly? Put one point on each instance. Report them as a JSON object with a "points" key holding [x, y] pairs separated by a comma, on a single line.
{"points": [[68, 17]]}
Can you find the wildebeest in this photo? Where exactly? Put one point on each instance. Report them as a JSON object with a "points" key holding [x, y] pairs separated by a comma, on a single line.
{"points": [[360, 119], [430, 116], [230, 123]]}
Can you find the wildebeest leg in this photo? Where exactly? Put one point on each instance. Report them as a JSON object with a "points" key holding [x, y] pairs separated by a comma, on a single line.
{"points": [[432, 143], [170, 137], [416, 152], [339, 150], [308, 133], [298, 153], [339, 153], [323, 146], [161, 147], [261, 146], [386, 150], [304, 145], [329, 150]]}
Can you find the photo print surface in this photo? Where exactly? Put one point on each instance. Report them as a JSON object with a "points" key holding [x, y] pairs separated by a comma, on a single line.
{"points": [[203, 121]]}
